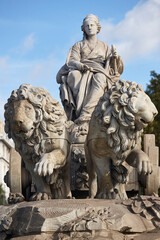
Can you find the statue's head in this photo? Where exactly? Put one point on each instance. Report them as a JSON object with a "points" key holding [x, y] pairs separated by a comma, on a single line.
{"points": [[90, 19]]}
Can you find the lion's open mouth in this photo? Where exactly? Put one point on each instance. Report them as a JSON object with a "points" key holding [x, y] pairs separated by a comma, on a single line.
{"points": [[25, 132], [144, 122]]}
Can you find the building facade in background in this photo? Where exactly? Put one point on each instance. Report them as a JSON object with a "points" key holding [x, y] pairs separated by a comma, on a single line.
{"points": [[5, 153]]}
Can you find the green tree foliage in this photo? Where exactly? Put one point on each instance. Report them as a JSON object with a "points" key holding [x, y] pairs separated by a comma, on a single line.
{"points": [[2, 196], [153, 90]]}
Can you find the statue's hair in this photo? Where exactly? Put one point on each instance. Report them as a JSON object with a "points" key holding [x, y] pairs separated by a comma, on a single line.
{"points": [[50, 117], [117, 113], [93, 18]]}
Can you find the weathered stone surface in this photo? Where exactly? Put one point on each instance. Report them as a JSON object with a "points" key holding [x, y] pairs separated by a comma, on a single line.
{"points": [[132, 183], [15, 172], [80, 218], [83, 79], [152, 182], [96, 224], [37, 124], [79, 174], [42, 236], [149, 141], [154, 235], [114, 138]]}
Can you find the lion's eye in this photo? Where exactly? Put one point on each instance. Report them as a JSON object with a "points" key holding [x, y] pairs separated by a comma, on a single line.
{"points": [[27, 108], [39, 96]]}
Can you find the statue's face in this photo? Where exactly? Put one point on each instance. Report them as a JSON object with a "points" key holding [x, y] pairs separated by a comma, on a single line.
{"points": [[90, 27]]}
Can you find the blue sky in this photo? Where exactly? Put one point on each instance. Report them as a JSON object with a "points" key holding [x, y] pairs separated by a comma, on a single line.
{"points": [[36, 36]]}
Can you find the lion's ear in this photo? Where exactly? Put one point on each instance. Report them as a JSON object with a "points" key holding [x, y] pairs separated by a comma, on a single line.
{"points": [[132, 108], [104, 106], [39, 115]]}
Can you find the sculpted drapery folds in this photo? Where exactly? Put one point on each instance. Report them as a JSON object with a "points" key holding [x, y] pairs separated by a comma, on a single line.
{"points": [[90, 69]]}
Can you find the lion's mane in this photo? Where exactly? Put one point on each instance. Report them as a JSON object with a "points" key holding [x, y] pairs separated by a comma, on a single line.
{"points": [[50, 117], [116, 114]]}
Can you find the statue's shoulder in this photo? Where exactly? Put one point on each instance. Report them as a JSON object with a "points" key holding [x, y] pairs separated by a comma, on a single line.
{"points": [[103, 44], [79, 44]]}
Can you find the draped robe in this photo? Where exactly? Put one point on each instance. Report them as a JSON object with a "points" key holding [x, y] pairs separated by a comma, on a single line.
{"points": [[81, 91]]}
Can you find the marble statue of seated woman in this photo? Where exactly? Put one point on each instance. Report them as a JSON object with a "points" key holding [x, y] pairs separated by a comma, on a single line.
{"points": [[90, 69]]}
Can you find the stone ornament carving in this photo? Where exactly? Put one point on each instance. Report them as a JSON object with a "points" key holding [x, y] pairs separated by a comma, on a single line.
{"points": [[114, 138], [91, 67], [37, 124], [79, 219], [146, 206], [79, 174]]}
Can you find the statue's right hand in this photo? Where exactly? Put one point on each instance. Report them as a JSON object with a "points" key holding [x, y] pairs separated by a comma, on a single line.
{"points": [[85, 68]]}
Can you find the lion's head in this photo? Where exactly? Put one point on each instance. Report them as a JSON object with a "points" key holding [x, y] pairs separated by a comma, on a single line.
{"points": [[32, 114], [124, 110]]}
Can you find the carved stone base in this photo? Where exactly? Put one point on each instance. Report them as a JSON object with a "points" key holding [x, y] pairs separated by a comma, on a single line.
{"points": [[79, 175], [81, 219]]}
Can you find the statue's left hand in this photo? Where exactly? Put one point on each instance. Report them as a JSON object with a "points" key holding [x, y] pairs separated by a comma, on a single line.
{"points": [[114, 52], [86, 68]]}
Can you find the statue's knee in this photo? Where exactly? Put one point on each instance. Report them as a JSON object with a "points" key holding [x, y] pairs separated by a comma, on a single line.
{"points": [[74, 75], [100, 77]]}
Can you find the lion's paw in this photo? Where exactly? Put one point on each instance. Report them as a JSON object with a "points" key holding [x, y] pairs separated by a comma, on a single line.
{"points": [[40, 196], [144, 166], [107, 195], [44, 167], [120, 174], [15, 198]]}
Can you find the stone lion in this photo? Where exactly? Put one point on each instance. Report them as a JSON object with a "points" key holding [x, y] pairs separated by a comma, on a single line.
{"points": [[114, 139], [37, 124]]}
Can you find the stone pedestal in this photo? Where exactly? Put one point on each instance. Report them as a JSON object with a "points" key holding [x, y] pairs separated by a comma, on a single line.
{"points": [[152, 180], [79, 219]]}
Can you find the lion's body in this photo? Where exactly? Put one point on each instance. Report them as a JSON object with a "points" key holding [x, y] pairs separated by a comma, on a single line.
{"points": [[36, 123], [115, 135]]}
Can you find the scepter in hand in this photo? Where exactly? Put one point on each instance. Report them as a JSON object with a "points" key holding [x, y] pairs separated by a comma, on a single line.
{"points": [[114, 56]]}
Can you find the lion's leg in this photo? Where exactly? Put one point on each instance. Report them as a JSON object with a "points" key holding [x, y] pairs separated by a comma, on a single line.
{"points": [[66, 191], [105, 184], [66, 170], [91, 170], [66, 179], [60, 187], [92, 184], [92, 177], [40, 182], [120, 177]]}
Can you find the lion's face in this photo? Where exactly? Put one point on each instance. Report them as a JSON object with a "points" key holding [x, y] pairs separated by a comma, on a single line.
{"points": [[145, 110], [23, 119]]}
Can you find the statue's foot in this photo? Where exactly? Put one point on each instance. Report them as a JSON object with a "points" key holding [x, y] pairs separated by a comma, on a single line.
{"points": [[83, 119], [39, 196], [15, 198]]}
